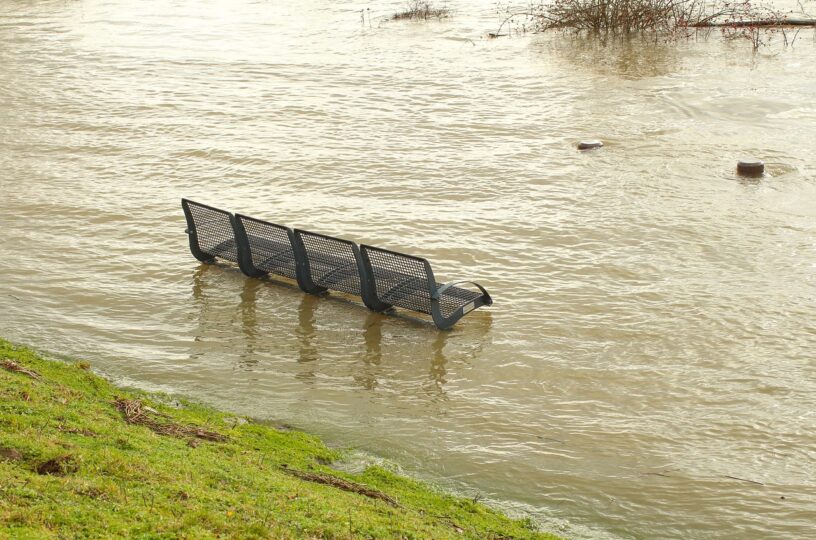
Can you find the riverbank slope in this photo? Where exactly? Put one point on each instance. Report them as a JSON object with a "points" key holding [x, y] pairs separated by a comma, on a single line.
{"points": [[81, 457]]}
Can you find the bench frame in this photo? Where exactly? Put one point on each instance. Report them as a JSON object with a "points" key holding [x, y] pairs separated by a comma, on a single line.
{"points": [[364, 267]]}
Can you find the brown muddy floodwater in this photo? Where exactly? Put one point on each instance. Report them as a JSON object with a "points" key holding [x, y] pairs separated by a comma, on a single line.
{"points": [[649, 367]]}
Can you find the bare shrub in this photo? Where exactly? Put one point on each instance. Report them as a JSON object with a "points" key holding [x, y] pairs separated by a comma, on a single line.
{"points": [[421, 10], [737, 19]]}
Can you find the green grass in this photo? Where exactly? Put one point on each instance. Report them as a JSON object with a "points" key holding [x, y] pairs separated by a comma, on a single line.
{"points": [[71, 466]]}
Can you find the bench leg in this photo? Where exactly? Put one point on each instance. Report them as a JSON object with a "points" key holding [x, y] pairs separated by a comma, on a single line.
{"points": [[303, 270], [445, 323], [368, 285], [195, 249], [244, 251]]}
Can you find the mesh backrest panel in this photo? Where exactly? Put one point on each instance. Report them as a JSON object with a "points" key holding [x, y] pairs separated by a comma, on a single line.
{"points": [[214, 231], [400, 280], [331, 262], [270, 247]]}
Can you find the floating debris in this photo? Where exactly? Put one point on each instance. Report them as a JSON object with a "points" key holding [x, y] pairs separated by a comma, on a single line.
{"points": [[744, 480]]}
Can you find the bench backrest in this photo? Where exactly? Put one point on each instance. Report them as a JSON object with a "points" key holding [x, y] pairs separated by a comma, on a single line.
{"points": [[270, 246], [210, 230], [399, 279], [331, 262]]}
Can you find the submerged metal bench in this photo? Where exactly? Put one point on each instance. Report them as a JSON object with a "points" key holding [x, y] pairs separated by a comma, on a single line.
{"points": [[318, 263]]}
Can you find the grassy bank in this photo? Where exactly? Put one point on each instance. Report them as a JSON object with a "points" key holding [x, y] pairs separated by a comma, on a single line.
{"points": [[80, 457]]}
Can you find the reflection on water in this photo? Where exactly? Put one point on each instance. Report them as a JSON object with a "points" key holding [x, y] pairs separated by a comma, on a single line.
{"points": [[629, 58], [218, 314], [373, 338], [437, 371], [306, 336], [652, 337], [249, 320]]}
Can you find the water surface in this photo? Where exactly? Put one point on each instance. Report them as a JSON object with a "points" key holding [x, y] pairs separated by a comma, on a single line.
{"points": [[648, 369]]}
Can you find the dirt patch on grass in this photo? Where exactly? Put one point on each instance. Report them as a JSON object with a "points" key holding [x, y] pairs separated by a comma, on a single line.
{"points": [[339, 483], [91, 492], [137, 413], [10, 454], [11, 365], [58, 466]]}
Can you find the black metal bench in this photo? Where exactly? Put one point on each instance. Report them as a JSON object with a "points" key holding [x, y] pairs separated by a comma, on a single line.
{"points": [[318, 263]]}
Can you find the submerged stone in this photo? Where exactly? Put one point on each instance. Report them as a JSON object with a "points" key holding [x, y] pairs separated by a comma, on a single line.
{"points": [[589, 145], [751, 167]]}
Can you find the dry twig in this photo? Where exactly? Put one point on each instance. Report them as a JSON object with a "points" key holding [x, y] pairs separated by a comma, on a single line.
{"points": [[744, 480], [11, 365], [137, 413], [339, 483]]}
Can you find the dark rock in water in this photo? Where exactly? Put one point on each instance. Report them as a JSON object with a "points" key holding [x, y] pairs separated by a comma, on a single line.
{"points": [[750, 167], [589, 145]]}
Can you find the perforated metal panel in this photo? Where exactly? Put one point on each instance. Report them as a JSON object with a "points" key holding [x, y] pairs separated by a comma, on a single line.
{"points": [[454, 298], [400, 280], [332, 263], [214, 231], [270, 247]]}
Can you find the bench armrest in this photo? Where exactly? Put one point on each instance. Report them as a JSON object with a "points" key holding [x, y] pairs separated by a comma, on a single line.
{"points": [[441, 290]]}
